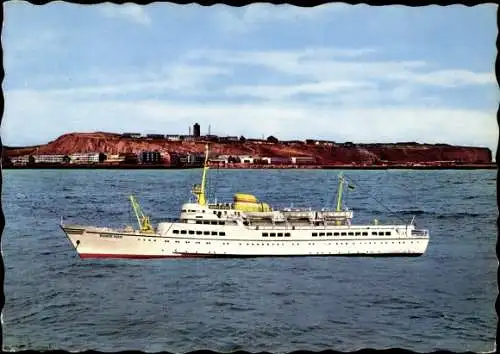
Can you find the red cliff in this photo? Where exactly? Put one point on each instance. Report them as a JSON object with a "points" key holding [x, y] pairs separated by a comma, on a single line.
{"points": [[325, 154]]}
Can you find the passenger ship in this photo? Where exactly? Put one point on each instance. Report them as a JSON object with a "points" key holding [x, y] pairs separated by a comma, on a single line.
{"points": [[248, 228]]}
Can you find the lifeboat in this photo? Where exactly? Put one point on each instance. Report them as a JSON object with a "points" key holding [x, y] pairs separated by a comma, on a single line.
{"points": [[249, 203]]}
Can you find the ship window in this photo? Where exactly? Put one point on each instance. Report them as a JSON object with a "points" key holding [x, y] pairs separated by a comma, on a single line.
{"points": [[206, 232], [381, 234], [206, 222], [343, 234], [183, 232], [213, 222], [214, 233], [287, 234], [191, 232], [335, 234], [272, 234], [203, 211], [177, 241], [351, 233], [176, 231], [199, 232], [322, 234], [365, 233], [215, 212], [328, 234], [280, 234], [222, 233], [197, 242], [222, 223], [358, 233], [315, 234], [198, 221], [264, 234], [184, 210], [388, 233]]}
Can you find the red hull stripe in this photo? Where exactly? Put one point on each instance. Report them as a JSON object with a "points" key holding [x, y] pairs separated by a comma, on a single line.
{"points": [[207, 255], [135, 256]]}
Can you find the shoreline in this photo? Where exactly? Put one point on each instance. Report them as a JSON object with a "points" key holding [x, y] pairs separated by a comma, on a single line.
{"points": [[492, 166]]}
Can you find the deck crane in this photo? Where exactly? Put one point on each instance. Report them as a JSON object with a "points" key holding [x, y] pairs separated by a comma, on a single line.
{"points": [[142, 220]]}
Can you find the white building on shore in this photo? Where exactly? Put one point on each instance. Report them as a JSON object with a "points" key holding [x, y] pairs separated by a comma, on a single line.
{"points": [[84, 157]]}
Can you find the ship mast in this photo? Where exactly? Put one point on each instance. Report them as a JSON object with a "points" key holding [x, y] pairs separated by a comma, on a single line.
{"points": [[339, 192], [201, 196]]}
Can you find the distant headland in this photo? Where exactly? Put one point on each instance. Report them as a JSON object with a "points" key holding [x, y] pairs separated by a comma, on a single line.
{"points": [[134, 150]]}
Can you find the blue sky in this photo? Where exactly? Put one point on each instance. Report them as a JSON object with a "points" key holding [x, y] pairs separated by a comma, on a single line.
{"points": [[337, 71]]}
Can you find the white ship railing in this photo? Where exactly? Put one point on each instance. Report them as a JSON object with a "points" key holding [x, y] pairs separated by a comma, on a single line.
{"points": [[420, 232]]}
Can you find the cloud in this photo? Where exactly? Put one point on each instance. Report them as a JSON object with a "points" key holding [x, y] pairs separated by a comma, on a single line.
{"points": [[251, 17], [188, 79], [329, 64], [285, 91], [129, 12]]}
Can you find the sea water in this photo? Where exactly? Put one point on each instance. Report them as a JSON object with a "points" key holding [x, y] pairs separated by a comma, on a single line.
{"points": [[441, 300]]}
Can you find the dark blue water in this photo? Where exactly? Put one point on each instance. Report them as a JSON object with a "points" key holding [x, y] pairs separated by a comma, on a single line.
{"points": [[442, 300]]}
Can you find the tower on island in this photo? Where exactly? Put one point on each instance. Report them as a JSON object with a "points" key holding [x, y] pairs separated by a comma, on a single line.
{"points": [[196, 130]]}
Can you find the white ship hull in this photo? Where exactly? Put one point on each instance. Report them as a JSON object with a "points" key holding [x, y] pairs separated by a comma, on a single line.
{"points": [[248, 228], [91, 242]]}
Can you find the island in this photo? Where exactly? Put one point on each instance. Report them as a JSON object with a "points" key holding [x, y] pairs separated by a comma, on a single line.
{"points": [[136, 151]]}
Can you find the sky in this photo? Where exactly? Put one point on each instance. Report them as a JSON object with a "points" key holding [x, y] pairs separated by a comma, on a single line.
{"points": [[338, 72]]}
